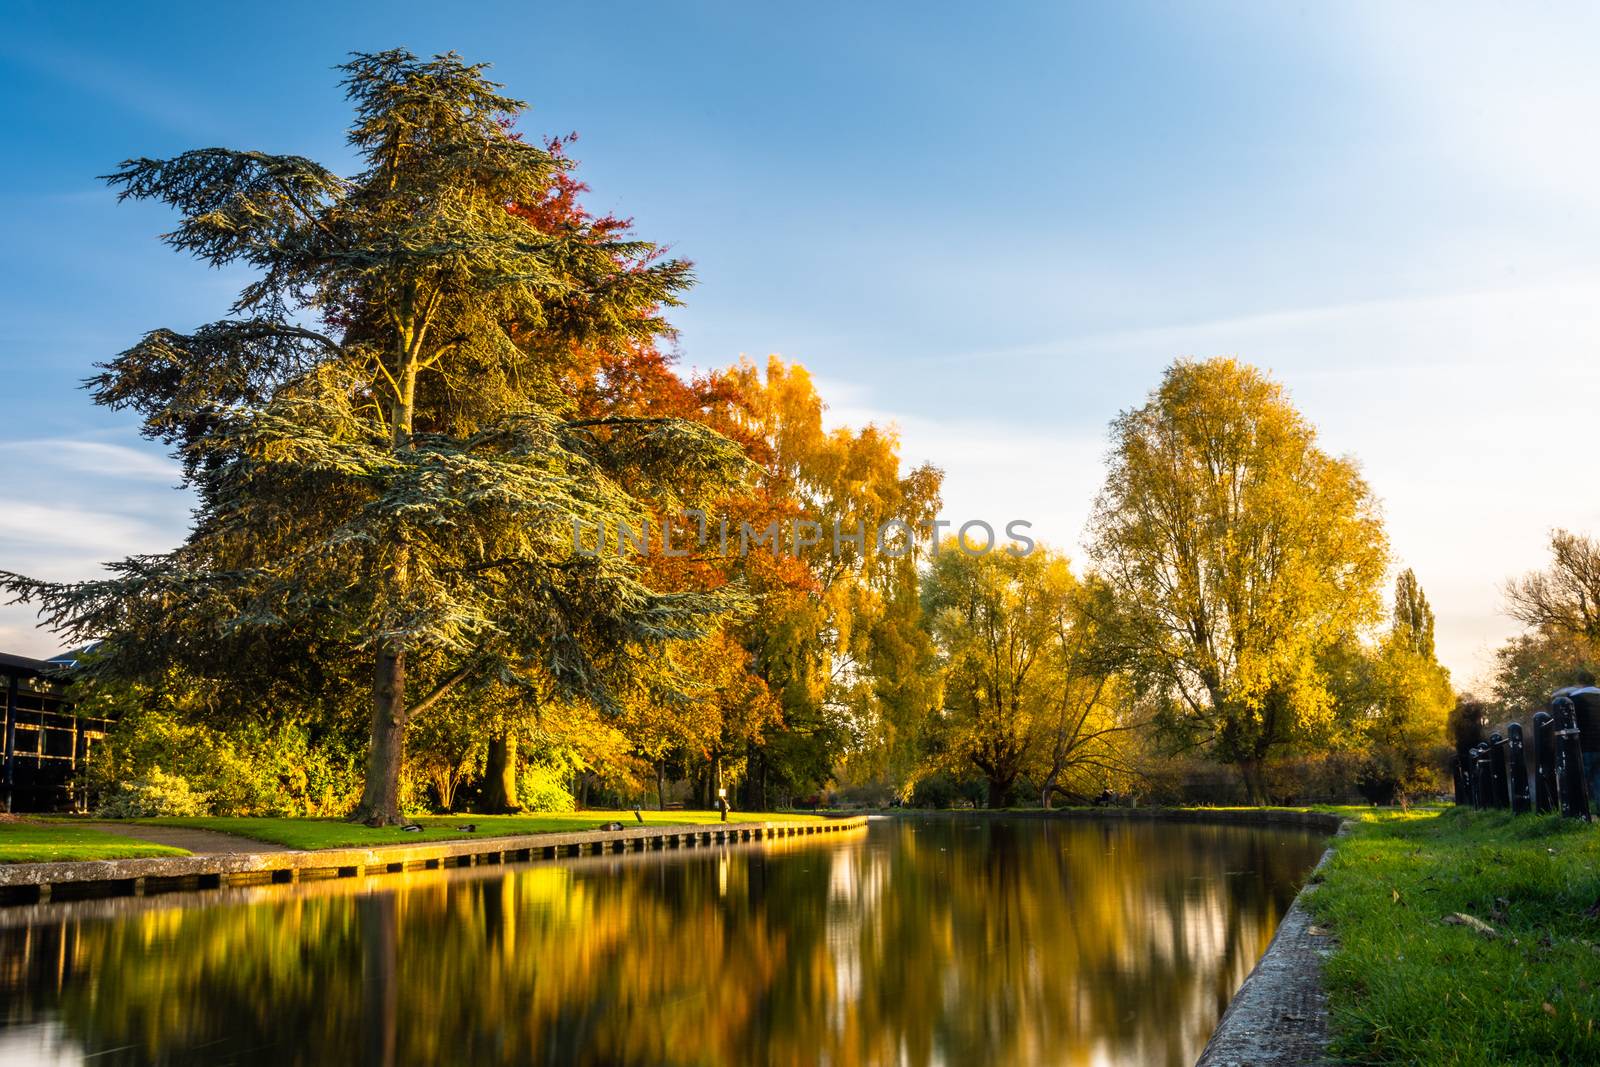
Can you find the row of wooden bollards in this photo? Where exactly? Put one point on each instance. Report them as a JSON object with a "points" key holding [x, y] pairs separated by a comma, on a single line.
{"points": [[1494, 774]]}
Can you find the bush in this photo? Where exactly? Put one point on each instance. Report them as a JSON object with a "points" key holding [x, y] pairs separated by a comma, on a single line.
{"points": [[543, 787], [254, 768], [154, 794], [942, 790], [864, 795]]}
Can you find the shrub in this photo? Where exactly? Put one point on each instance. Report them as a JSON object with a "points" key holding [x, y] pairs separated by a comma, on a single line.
{"points": [[543, 787], [942, 790], [254, 768], [154, 794], [875, 794]]}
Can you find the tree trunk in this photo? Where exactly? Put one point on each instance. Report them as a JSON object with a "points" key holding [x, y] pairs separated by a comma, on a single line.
{"points": [[661, 785], [997, 793], [500, 776], [1254, 787], [755, 787], [1049, 787], [380, 800]]}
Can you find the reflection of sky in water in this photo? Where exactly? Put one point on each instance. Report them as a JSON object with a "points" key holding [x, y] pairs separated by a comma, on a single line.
{"points": [[43, 1044], [933, 941]]}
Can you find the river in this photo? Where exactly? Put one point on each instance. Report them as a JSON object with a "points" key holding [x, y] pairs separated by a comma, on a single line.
{"points": [[937, 940]]}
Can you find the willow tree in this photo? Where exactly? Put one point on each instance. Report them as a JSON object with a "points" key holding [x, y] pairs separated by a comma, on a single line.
{"points": [[1238, 550], [387, 468], [994, 619]]}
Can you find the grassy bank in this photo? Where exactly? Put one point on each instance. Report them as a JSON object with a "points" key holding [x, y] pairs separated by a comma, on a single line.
{"points": [[1406, 986], [336, 833], [24, 842]]}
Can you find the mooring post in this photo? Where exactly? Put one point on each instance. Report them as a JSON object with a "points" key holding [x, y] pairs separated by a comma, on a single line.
{"points": [[1501, 795], [1586, 713], [1484, 776], [1475, 767], [1544, 762], [1517, 769], [1569, 760]]}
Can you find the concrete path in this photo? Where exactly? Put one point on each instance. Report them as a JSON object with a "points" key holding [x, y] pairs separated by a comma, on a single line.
{"points": [[200, 842], [1279, 1016]]}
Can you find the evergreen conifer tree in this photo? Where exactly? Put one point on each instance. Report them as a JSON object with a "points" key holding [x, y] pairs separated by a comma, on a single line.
{"points": [[386, 458]]}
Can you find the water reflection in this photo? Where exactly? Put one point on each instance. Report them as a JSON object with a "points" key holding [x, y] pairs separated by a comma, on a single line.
{"points": [[944, 940]]}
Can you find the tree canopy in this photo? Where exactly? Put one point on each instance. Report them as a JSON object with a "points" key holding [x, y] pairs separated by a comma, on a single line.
{"points": [[386, 463], [1238, 550]]}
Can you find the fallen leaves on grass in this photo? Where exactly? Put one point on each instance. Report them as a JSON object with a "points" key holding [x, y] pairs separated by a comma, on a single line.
{"points": [[1471, 922]]}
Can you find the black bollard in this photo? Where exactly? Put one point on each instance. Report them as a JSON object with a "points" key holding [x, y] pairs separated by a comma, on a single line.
{"points": [[1544, 763], [1500, 794], [1569, 760], [1482, 788], [1516, 769], [1586, 709], [1458, 780]]}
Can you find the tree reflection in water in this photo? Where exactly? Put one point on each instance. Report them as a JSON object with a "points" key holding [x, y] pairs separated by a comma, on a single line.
{"points": [[939, 940]]}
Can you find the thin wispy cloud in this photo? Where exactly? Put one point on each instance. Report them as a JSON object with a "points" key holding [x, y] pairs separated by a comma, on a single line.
{"points": [[1569, 303], [75, 505], [46, 529], [117, 85], [95, 457]]}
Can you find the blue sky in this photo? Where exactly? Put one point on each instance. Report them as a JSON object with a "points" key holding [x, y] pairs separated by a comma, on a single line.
{"points": [[992, 225]]}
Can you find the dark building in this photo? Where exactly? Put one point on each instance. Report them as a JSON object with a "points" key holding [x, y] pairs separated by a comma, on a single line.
{"points": [[47, 744]]}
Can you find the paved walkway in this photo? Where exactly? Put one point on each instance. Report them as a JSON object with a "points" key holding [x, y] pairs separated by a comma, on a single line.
{"points": [[1279, 1016], [200, 842]]}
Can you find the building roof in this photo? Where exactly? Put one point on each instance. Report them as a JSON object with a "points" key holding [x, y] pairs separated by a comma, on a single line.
{"points": [[10, 662]]}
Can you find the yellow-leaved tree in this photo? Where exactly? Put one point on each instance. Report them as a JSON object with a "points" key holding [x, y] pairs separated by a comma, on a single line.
{"points": [[1238, 550], [1031, 691]]}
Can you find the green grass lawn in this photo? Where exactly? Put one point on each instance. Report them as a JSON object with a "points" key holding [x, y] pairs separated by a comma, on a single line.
{"points": [[336, 833], [1406, 987], [26, 842], [1347, 810]]}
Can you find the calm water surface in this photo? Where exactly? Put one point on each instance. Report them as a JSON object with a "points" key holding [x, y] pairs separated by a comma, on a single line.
{"points": [[920, 941]]}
